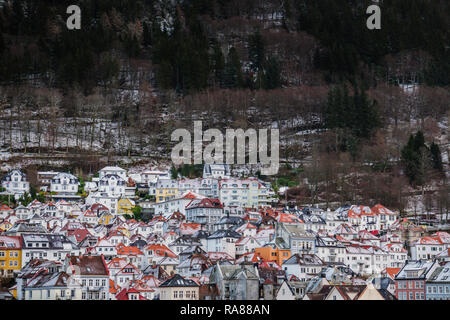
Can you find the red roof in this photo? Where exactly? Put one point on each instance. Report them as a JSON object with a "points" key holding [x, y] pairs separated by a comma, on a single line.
{"points": [[205, 203], [189, 195], [80, 234], [129, 251], [112, 287], [161, 250], [380, 209], [392, 272], [123, 295], [4, 207], [288, 218]]}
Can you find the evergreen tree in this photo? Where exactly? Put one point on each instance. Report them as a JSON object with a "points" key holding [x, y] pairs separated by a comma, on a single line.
{"points": [[233, 70], [256, 51], [272, 77], [357, 113], [416, 158], [146, 33], [218, 63], [436, 157], [410, 159], [173, 172]]}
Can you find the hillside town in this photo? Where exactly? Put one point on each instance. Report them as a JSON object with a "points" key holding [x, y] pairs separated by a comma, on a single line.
{"points": [[147, 236]]}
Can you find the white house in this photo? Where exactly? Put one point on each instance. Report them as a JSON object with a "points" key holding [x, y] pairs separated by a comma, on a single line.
{"points": [[153, 175], [223, 241], [104, 199], [303, 266], [112, 185], [429, 247], [176, 204], [246, 245], [110, 170], [239, 192], [16, 183], [64, 184], [330, 250], [92, 273], [23, 213], [205, 211], [53, 247], [218, 171]]}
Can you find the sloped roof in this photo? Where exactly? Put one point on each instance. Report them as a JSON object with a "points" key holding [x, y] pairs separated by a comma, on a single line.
{"points": [[305, 259], [205, 203], [380, 209], [178, 281], [225, 234], [90, 265]]}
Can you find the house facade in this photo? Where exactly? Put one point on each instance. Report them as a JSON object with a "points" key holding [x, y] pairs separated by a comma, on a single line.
{"points": [[16, 183]]}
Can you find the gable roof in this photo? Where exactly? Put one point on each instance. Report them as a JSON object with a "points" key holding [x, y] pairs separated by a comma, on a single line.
{"points": [[178, 281], [89, 265]]}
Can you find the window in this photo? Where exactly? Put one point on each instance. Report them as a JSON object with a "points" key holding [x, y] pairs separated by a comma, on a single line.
{"points": [[175, 294]]}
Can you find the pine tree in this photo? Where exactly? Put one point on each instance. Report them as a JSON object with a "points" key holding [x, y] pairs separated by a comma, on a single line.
{"points": [[256, 51], [410, 159], [436, 157], [218, 63], [417, 159], [272, 76], [233, 70]]}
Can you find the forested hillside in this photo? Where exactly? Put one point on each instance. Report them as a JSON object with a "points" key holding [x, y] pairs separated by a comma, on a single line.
{"points": [[345, 98]]}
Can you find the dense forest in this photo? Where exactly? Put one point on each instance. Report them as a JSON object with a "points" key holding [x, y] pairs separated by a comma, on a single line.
{"points": [[347, 100], [186, 41]]}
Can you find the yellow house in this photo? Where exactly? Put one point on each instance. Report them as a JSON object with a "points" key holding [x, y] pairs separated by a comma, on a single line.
{"points": [[165, 194], [106, 218], [125, 231], [124, 206], [5, 226], [10, 255], [166, 189]]}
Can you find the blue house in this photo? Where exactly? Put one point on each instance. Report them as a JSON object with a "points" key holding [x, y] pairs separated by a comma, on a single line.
{"points": [[438, 284]]}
